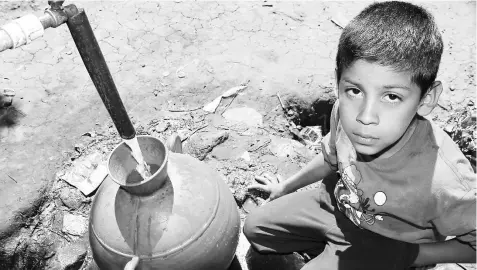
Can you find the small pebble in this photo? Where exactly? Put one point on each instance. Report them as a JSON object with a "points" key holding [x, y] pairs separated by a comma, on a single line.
{"points": [[8, 92], [468, 121], [75, 224], [449, 128], [181, 74]]}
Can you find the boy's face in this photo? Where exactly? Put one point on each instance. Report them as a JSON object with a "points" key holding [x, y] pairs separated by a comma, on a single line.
{"points": [[377, 105]]}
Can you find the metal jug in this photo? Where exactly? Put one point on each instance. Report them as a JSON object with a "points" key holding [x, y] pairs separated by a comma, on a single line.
{"points": [[182, 217]]}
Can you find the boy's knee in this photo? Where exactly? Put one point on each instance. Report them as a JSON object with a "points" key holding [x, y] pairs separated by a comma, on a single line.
{"points": [[253, 232], [251, 225]]}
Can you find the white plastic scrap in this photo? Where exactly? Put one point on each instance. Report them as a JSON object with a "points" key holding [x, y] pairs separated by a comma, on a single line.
{"points": [[212, 106], [246, 156], [340, 20]]}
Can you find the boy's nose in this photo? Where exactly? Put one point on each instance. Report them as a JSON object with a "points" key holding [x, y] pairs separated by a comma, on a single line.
{"points": [[368, 114]]}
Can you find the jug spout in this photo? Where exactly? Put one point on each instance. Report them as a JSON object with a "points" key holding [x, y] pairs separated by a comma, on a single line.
{"points": [[122, 166]]}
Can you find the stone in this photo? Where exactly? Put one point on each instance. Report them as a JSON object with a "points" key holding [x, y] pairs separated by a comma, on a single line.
{"points": [[203, 143], [74, 224], [71, 198], [6, 97], [258, 143], [469, 121], [283, 147], [162, 126], [223, 153], [72, 256], [232, 150], [245, 115], [240, 195], [449, 128]]}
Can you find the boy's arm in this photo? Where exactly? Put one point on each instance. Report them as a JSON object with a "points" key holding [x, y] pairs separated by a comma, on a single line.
{"points": [[456, 201], [450, 251], [314, 171], [322, 165]]}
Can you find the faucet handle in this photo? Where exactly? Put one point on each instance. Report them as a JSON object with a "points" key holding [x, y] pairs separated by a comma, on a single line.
{"points": [[56, 4]]}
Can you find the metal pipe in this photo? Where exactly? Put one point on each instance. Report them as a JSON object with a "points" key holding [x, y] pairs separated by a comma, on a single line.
{"points": [[5, 41], [29, 27], [95, 63]]}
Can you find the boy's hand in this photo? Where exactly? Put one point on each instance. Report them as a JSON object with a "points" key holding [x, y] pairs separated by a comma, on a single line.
{"points": [[269, 184]]}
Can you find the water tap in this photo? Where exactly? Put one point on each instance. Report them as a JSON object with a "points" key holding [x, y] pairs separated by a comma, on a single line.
{"points": [[25, 29], [56, 4], [57, 14]]}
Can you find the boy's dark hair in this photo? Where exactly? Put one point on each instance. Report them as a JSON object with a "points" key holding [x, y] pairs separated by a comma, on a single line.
{"points": [[397, 34]]}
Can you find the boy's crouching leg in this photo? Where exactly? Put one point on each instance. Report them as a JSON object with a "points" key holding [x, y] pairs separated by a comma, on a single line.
{"points": [[287, 224], [253, 227]]}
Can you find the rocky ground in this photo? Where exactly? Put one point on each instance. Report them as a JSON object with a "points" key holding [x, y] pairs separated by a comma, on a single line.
{"points": [[168, 60]]}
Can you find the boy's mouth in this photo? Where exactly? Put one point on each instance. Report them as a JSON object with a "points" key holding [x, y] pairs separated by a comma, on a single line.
{"points": [[364, 139]]}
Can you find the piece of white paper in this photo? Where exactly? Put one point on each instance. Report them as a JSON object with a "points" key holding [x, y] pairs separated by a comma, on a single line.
{"points": [[212, 106], [83, 179]]}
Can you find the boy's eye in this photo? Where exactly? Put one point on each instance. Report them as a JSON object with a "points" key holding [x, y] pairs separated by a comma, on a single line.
{"points": [[353, 92], [392, 98]]}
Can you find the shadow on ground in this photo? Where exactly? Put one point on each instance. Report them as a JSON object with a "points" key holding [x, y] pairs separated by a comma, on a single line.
{"points": [[10, 115]]}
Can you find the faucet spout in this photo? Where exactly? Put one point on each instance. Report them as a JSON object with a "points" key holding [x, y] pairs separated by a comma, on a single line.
{"points": [[98, 70]]}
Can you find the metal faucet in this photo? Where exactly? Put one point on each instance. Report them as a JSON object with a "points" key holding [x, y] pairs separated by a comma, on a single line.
{"points": [[28, 28]]}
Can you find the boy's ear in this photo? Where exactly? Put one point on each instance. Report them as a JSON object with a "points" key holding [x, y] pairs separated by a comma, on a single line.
{"points": [[337, 82], [429, 101]]}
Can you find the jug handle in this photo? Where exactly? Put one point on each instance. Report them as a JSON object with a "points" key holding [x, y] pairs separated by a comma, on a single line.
{"points": [[131, 265]]}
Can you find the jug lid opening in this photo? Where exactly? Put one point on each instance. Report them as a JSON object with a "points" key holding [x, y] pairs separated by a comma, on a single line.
{"points": [[122, 165]]}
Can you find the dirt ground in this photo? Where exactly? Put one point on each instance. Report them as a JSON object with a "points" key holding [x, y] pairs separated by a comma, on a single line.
{"points": [[168, 59]]}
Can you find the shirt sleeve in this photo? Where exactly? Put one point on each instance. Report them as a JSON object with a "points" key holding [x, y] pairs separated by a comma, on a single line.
{"points": [[459, 219], [457, 199], [328, 146]]}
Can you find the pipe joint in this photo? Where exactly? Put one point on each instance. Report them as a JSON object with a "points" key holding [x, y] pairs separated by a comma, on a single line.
{"points": [[57, 17]]}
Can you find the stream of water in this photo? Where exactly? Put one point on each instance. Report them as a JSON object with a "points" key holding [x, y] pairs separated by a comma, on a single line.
{"points": [[142, 168]]}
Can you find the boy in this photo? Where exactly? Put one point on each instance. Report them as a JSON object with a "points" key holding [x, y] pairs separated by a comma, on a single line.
{"points": [[394, 186]]}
